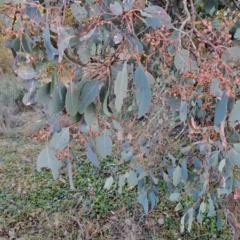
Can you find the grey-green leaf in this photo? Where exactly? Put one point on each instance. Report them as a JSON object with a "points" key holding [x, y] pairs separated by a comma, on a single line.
{"points": [[157, 17], [183, 61], [104, 144], [132, 178], [214, 88], [236, 146], [71, 102], [142, 199], [91, 156], [57, 102], [237, 34], [231, 54], [60, 140], [209, 7], [88, 95], [211, 208], [117, 125], [62, 41], [183, 111], [152, 198], [116, 8], [51, 51], [221, 109], [213, 158], [190, 218], [177, 174], [143, 93], [47, 158], [184, 172], [121, 182], [219, 221], [235, 114], [42, 95], [69, 169], [79, 12], [234, 157], [89, 114], [174, 197], [120, 88], [108, 183]]}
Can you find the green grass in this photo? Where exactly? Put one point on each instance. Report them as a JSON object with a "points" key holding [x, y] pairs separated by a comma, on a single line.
{"points": [[34, 206]]}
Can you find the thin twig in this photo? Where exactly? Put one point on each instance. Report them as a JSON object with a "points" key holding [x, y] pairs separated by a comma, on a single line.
{"points": [[184, 22]]}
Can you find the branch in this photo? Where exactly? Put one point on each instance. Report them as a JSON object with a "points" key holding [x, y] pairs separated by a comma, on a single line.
{"points": [[236, 5], [184, 22]]}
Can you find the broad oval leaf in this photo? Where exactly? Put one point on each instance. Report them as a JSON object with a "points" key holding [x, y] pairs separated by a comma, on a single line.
{"points": [[127, 154], [210, 7], [235, 114], [231, 54], [214, 88], [174, 197], [234, 157], [211, 208], [197, 164], [190, 218], [22, 45], [28, 98], [60, 140], [183, 61], [128, 4], [116, 8], [142, 199], [183, 111], [51, 51], [47, 158], [84, 53], [237, 34], [88, 35], [221, 109], [236, 146], [178, 207], [79, 12], [120, 88], [62, 41], [71, 102], [108, 183], [219, 222], [177, 175], [213, 158], [117, 125], [143, 93], [221, 165], [43, 94], [118, 37], [88, 95], [22, 68], [186, 150], [135, 42], [184, 172], [89, 114], [57, 102], [157, 17], [121, 182], [91, 156], [132, 178], [104, 144], [152, 198]]}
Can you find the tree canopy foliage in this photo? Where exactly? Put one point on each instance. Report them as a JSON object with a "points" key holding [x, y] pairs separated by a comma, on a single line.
{"points": [[126, 75]]}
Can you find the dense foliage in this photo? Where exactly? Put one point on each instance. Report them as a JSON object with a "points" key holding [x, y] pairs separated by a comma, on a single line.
{"points": [[125, 76]]}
